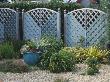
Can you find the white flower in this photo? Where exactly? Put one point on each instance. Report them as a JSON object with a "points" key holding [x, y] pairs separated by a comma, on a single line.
{"points": [[24, 48]]}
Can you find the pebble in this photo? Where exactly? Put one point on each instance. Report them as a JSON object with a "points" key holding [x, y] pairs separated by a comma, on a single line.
{"points": [[45, 76]]}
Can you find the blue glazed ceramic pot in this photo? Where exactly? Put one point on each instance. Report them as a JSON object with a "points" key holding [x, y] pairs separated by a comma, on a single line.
{"points": [[31, 58]]}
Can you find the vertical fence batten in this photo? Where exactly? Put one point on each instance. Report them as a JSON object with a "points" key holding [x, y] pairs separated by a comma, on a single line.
{"points": [[23, 23], [17, 25], [59, 24], [65, 26]]}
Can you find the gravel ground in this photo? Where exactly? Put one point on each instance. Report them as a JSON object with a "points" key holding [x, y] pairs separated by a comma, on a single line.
{"points": [[45, 76]]}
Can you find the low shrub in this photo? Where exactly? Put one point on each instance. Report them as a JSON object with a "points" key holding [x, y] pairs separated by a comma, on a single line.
{"points": [[7, 51], [78, 52], [62, 62], [82, 54], [91, 71], [93, 66], [107, 59], [17, 45], [49, 45], [96, 52]]}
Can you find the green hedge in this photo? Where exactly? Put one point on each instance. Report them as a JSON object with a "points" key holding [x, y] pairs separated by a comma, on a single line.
{"points": [[28, 6]]}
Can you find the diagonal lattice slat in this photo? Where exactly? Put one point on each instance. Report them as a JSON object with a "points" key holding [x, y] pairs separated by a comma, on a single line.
{"points": [[87, 23], [40, 21], [8, 24]]}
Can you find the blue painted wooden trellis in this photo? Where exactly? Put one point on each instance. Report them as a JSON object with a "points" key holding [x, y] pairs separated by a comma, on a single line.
{"points": [[41, 21], [87, 23], [8, 24]]}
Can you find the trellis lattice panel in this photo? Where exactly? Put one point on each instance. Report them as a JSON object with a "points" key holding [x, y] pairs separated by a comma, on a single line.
{"points": [[41, 21], [84, 24], [8, 24]]}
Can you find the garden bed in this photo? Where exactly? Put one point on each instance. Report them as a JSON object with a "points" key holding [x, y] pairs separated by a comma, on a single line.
{"points": [[56, 62], [45, 76]]}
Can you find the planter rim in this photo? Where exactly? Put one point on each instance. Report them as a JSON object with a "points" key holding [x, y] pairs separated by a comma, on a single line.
{"points": [[31, 52], [28, 52]]}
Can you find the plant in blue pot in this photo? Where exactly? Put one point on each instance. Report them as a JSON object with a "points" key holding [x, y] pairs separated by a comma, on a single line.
{"points": [[31, 53]]}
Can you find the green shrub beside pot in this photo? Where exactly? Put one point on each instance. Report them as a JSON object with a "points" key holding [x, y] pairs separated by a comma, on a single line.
{"points": [[62, 62], [49, 45]]}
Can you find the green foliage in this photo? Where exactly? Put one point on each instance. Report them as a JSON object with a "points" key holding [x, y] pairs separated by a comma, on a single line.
{"points": [[102, 42], [49, 45], [31, 44], [82, 40], [94, 51], [97, 53], [79, 53], [93, 66], [54, 1], [11, 49], [107, 58], [92, 62], [62, 62], [91, 71], [52, 5], [82, 54], [17, 45], [105, 6], [108, 24], [7, 50]]}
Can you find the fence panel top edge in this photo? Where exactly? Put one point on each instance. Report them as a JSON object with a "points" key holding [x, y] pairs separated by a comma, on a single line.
{"points": [[8, 9], [87, 9], [42, 9]]}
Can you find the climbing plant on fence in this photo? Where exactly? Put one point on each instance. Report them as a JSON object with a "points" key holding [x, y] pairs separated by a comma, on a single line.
{"points": [[54, 6]]}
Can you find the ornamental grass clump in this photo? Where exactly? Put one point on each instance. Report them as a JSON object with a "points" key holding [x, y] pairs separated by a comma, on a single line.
{"points": [[81, 54], [7, 51], [96, 52], [78, 52]]}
